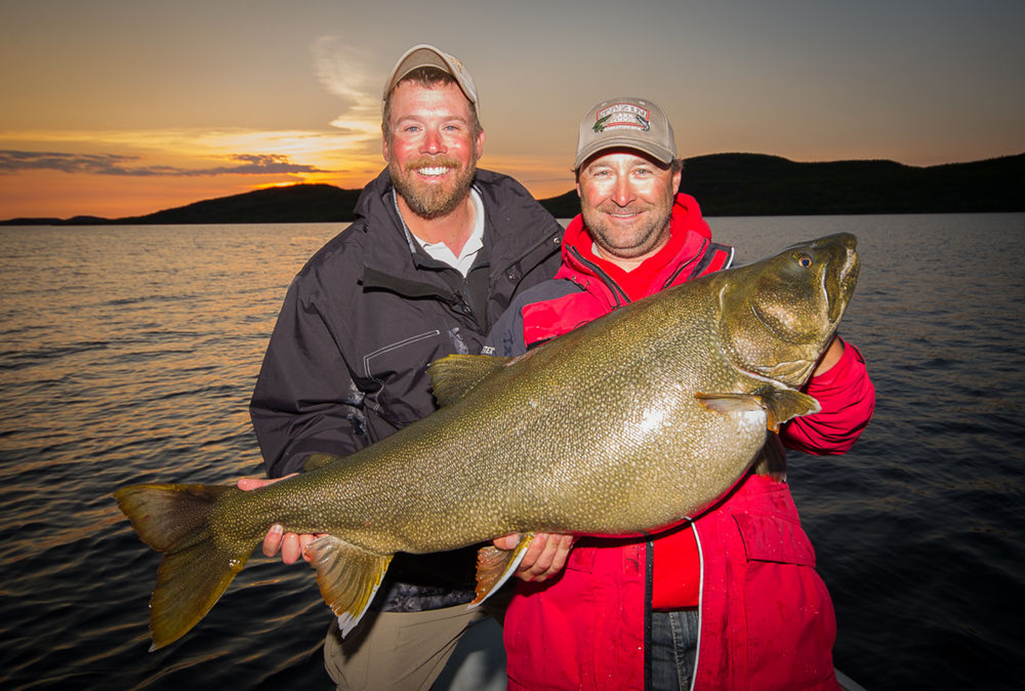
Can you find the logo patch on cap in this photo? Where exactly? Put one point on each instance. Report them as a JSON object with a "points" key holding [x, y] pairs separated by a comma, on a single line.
{"points": [[622, 115]]}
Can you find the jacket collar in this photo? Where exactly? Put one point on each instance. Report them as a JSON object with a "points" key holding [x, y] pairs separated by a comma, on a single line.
{"points": [[389, 251]]}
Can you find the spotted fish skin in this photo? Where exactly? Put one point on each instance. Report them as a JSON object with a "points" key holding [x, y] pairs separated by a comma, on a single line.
{"points": [[633, 422]]}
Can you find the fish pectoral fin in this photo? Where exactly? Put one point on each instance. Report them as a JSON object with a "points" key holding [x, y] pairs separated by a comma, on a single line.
{"points": [[318, 460], [348, 577], [730, 403], [454, 375], [786, 404], [495, 566], [779, 405]]}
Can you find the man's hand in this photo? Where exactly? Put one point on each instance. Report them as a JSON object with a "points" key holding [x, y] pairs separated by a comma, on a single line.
{"points": [[545, 556], [292, 545]]}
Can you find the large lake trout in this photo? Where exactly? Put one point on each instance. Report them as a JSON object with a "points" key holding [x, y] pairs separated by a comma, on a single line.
{"points": [[631, 423]]}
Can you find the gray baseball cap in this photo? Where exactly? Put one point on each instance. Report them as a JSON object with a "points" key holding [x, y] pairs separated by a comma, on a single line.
{"points": [[424, 55], [632, 123]]}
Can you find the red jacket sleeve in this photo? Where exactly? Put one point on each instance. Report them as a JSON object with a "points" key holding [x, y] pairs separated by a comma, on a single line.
{"points": [[847, 397]]}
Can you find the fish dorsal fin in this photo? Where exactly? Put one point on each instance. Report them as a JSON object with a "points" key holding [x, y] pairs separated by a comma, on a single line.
{"points": [[348, 577], [779, 405], [452, 376], [494, 566]]}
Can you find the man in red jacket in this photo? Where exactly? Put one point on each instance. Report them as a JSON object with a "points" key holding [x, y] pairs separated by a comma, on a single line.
{"points": [[730, 599]]}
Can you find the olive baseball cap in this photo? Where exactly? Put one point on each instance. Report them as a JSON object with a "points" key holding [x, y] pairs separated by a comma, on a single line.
{"points": [[424, 55], [632, 123]]}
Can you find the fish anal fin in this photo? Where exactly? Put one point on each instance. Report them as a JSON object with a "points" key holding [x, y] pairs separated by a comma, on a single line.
{"points": [[348, 577], [452, 376], [495, 566]]}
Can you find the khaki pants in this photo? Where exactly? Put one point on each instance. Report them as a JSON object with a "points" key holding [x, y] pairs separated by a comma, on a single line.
{"points": [[406, 650]]}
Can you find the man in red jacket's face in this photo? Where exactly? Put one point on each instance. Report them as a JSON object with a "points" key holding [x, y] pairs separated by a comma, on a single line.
{"points": [[626, 199]]}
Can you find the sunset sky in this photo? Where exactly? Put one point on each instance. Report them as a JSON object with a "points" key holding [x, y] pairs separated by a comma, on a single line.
{"points": [[123, 107]]}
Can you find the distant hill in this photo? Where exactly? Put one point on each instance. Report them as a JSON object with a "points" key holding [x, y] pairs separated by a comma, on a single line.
{"points": [[751, 185], [759, 185], [292, 204], [724, 185]]}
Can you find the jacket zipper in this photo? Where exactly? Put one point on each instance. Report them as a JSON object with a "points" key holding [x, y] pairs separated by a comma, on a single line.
{"points": [[618, 294]]}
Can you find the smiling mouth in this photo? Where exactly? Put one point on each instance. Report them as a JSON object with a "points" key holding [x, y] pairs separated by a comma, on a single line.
{"points": [[622, 215], [429, 168], [631, 210], [433, 171]]}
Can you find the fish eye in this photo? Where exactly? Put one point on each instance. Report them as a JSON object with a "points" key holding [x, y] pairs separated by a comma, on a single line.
{"points": [[804, 260]]}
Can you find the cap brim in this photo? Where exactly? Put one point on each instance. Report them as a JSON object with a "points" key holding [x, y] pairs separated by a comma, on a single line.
{"points": [[660, 154]]}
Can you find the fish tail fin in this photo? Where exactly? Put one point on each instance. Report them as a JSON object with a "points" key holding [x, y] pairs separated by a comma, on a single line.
{"points": [[197, 567], [348, 577], [495, 566]]}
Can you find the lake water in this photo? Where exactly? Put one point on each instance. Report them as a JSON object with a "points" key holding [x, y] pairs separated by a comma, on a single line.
{"points": [[128, 355]]}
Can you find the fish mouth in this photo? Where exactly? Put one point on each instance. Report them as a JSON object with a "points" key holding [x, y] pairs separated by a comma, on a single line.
{"points": [[849, 271], [847, 279], [849, 265]]}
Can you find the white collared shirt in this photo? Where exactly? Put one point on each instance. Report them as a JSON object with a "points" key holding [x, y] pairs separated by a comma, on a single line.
{"points": [[474, 243]]}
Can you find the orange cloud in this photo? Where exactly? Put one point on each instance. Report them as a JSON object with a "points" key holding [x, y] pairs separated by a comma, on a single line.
{"points": [[114, 174]]}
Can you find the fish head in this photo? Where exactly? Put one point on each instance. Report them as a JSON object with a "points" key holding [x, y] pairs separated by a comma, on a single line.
{"points": [[779, 314]]}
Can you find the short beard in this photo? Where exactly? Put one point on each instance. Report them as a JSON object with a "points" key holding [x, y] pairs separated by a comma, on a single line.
{"points": [[434, 201], [652, 235]]}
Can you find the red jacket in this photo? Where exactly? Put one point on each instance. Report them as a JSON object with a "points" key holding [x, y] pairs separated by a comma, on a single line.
{"points": [[766, 617]]}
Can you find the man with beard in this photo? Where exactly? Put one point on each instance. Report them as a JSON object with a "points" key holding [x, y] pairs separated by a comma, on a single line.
{"points": [[437, 252], [730, 600]]}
